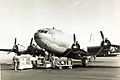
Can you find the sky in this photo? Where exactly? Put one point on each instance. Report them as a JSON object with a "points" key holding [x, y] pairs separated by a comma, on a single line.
{"points": [[22, 18]]}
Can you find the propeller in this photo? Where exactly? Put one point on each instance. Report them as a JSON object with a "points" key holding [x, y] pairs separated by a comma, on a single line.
{"points": [[74, 40], [30, 47], [15, 47], [102, 43], [105, 44]]}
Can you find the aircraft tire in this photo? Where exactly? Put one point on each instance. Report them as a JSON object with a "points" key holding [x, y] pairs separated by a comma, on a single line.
{"points": [[60, 67], [84, 62], [70, 67]]}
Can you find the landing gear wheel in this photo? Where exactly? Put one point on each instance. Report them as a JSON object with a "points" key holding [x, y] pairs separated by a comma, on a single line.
{"points": [[34, 63], [70, 67], [84, 62], [60, 67]]}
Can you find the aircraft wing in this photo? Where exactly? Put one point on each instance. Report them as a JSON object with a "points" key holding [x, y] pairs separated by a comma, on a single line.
{"points": [[94, 50], [8, 50], [116, 46], [71, 53]]}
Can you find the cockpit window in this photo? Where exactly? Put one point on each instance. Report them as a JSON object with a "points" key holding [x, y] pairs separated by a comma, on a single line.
{"points": [[42, 31], [45, 32]]}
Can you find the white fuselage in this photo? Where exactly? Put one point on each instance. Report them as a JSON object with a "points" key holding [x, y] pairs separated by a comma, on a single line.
{"points": [[53, 40]]}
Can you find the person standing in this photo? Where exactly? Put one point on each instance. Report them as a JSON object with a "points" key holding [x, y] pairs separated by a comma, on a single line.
{"points": [[16, 62]]}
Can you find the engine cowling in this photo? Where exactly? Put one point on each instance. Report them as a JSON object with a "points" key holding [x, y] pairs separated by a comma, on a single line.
{"points": [[106, 44]]}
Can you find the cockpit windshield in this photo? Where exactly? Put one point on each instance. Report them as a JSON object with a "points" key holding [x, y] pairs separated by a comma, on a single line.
{"points": [[43, 31], [48, 30]]}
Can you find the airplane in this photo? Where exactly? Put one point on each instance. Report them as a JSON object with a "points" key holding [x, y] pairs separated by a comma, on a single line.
{"points": [[106, 48], [60, 44]]}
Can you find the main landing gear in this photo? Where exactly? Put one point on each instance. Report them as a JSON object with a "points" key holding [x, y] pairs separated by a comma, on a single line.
{"points": [[84, 61]]}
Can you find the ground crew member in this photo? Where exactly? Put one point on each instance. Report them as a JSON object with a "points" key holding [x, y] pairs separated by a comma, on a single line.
{"points": [[46, 54], [16, 62], [53, 61]]}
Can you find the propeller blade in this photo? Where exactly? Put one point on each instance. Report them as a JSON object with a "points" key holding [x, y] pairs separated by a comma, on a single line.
{"points": [[9, 52], [115, 46], [31, 41], [102, 35], [69, 52], [15, 41], [90, 38], [74, 38], [99, 51]]}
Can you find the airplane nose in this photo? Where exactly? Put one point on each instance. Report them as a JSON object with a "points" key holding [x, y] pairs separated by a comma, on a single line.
{"points": [[36, 36]]}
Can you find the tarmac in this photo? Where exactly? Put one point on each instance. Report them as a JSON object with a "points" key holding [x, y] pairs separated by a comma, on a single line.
{"points": [[103, 68]]}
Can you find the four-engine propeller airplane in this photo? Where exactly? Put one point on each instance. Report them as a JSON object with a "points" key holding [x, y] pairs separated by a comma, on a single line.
{"points": [[62, 45]]}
